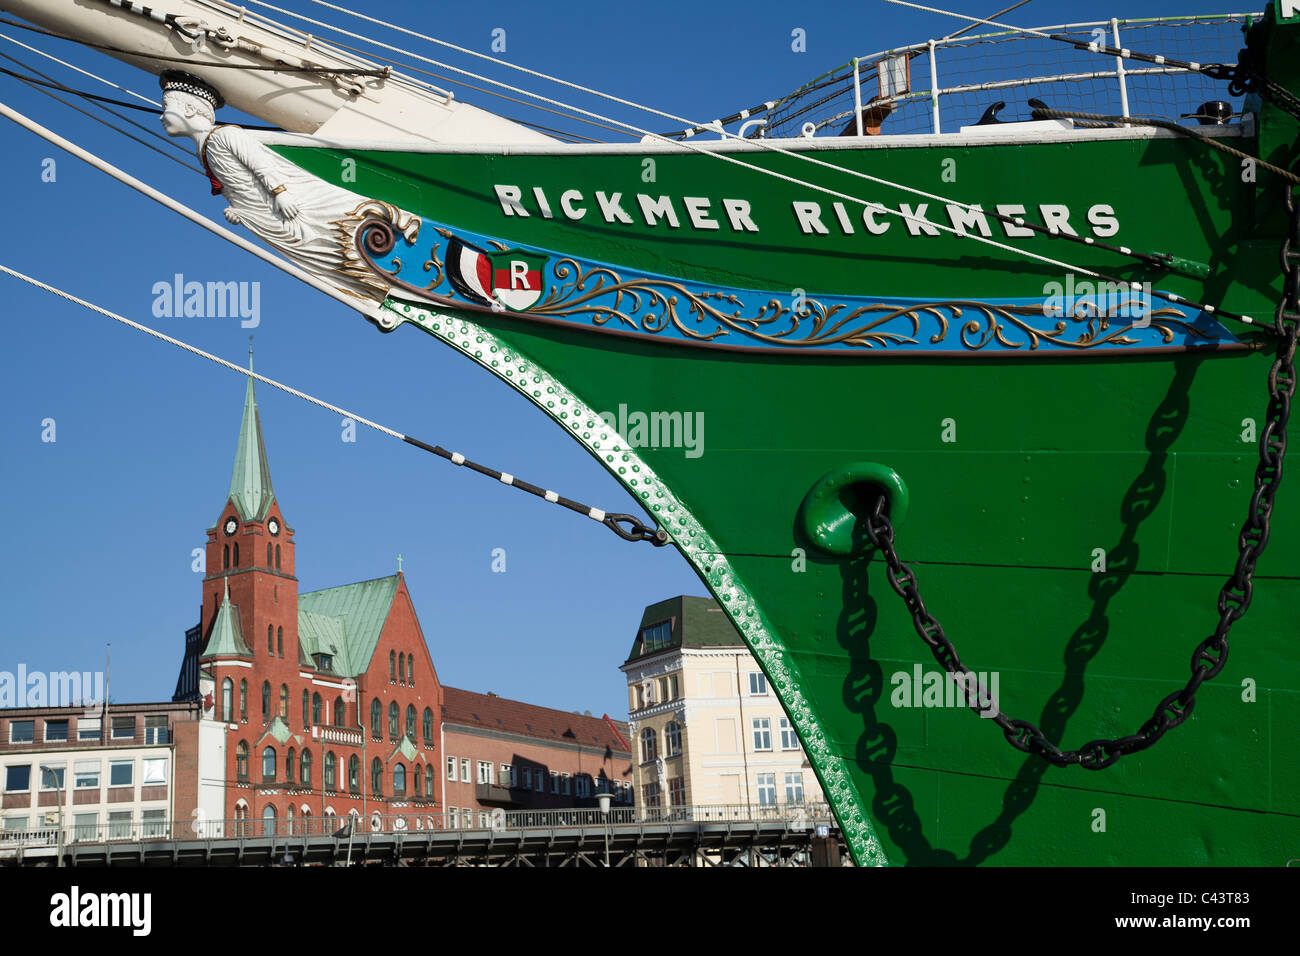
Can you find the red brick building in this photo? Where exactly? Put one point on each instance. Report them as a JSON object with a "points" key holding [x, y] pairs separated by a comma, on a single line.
{"points": [[327, 703], [508, 755], [316, 704]]}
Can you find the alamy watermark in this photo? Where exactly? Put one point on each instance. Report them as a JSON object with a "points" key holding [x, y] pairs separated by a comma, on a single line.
{"points": [[83, 689], [1085, 299], [659, 429], [208, 300], [917, 688]]}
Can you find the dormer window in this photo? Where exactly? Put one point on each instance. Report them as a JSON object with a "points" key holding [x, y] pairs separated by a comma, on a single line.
{"points": [[656, 636], [324, 662]]}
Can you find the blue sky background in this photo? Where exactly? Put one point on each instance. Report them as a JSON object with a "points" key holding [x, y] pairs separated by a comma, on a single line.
{"points": [[99, 526]]}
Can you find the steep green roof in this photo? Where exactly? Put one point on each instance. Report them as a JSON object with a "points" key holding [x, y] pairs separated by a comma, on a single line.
{"points": [[250, 483], [695, 622], [227, 638], [361, 610]]}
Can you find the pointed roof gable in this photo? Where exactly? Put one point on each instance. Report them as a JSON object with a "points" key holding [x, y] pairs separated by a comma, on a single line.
{"points": [[250, 483], [227, 638], [362, 609]]}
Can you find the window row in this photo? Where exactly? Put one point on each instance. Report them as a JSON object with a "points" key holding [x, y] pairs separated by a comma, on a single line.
{"points": [[314, 714], [87, 774], [672, 742], [401, 668], [59, 729], [228, 561], [657, 691], [767, 788], [419, 779], [762, 731], [533, 778]]}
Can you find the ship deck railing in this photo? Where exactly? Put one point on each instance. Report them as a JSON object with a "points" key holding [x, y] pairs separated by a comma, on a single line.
{"points": [[942, 85]]}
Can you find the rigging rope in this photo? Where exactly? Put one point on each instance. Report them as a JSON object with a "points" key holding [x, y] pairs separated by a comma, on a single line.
{"points": [[70, 66], [635, 532], [276, 67], [38, 84]]}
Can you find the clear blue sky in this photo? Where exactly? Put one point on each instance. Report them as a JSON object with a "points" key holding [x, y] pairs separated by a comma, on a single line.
{"points": [[99, 526]]}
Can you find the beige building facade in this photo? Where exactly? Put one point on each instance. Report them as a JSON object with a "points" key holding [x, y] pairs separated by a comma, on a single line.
{"points": [[707, 730]]}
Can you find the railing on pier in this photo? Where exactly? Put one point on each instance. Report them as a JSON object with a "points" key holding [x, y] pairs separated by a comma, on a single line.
{"points": [[792, 816]]}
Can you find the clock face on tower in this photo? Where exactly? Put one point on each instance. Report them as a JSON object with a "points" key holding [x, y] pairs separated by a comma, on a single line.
{"points": [[231, 526], [273, 526]]}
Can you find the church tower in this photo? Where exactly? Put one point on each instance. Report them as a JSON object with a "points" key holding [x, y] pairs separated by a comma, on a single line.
{"points": [[250, 558]]}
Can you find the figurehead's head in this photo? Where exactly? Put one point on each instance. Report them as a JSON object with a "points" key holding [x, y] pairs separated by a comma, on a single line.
{"points": [[189, 104]]}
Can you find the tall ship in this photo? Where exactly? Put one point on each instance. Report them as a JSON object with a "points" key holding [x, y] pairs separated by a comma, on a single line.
{"points": [[993, 339]]}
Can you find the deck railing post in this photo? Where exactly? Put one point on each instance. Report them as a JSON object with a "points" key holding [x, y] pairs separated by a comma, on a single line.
{"points": [[1119, 69], [934, 86], [857, 98]]}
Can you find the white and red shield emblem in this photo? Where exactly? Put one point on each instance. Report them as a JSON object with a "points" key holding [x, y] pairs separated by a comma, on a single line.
{"points": [[512, 277]]}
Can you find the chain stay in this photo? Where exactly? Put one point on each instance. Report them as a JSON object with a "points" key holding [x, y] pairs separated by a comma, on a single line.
{"points": [[1211, 654]]}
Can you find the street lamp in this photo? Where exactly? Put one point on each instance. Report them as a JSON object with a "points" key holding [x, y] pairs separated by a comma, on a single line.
{"points": [[604, 799], [55, 777]]}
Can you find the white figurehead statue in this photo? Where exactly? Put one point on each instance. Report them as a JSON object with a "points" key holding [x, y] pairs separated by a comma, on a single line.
{"points": [[310, 222]]}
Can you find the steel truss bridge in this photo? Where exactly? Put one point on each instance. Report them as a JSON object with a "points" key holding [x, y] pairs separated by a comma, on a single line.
{"points": [[786, 835]]}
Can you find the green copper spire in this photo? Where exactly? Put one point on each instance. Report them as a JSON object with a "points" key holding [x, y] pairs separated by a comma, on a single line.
{"points": [[250, 484], [227, 638]]}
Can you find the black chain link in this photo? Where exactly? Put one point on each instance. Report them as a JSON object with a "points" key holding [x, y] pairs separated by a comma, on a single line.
{"points": [[1212, 653]]}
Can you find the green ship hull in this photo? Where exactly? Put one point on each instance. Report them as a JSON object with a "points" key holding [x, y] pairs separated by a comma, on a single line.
{"points": [[1048, 459], [1067, 476]]}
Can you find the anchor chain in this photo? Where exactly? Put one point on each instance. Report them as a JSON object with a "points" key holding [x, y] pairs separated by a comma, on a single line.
{"points": [[1234, 598]]}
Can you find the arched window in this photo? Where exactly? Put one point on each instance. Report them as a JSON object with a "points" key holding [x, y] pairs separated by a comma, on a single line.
{"points": [[410, 670], [648, 750], [277, 557], [279, 641], [236, 554], [304, 768], [266, 700], [270, 640], [428, 727], [225, 557], [340, 713], [243, 700], [673, 739], [394, 720], [284, 701], [376, 777], [315, 708], [415, 780], [329, 770], [241, 761], [227, 700], [392, 665], [399, 781], [289, 814], [268, 765], [241, 821], [268, 554], [374, 717], [306, 711], [268, 821], [428, 780], [401, 668], [288, 766], [410, 722], [354, 774]]}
